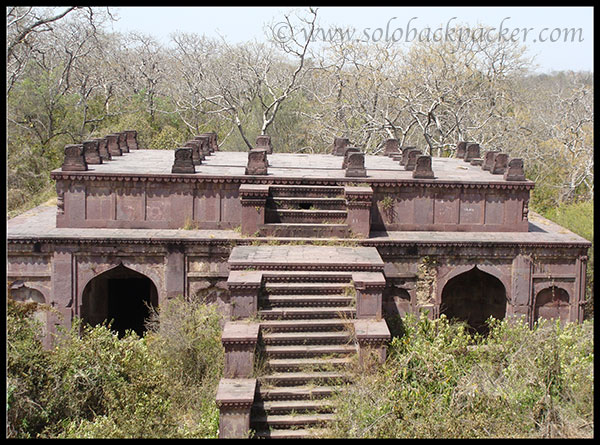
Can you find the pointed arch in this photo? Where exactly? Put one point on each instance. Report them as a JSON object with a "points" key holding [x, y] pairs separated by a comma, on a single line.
{"points": [[120, 295], [473, 296]]}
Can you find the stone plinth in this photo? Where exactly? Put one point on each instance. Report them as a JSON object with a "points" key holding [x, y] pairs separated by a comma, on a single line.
{"points": [[74, 159], [500, 164], [244, 287], [112, 143], [234, 399], [239, 340], [263, 142], [372, 335], [131, 138], [369, 289], [122, 141], [392, 147], [423, 168], [461, 149], [339, 146], [411, 159], [358, 203], [347, 153], [355, 166], [91, 152], [103, 149], [253, 198], [488, 160], [472, 152], [515, 171], [476, 161], [197, 155], [257, 162], [183, 161]]}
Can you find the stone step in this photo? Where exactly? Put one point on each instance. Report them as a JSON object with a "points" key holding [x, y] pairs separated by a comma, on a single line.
{"points": [[287, 406], [307, 313], [305, 300], [298, 364], [272, 276], [305, 351], [323, 378], [298, 288], [295, 433], [305, 216], [295, 230], [305, 325], [307, 202], [292, 420], [307, 338], [304, 191]]}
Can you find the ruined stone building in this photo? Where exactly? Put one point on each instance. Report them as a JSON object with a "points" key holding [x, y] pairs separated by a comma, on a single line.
{"points": [[306, 255]]}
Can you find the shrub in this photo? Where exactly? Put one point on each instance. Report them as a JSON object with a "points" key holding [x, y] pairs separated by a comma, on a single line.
{"points": [[441, 382]]}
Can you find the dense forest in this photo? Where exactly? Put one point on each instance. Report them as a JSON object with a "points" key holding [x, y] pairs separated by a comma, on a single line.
{"points": [[69, 79]]}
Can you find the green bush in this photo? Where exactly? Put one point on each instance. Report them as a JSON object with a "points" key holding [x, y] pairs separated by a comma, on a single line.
{"points": [[94, 385], [441, 382]]}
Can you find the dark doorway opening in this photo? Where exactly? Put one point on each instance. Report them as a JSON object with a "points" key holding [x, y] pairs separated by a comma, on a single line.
{"points": [[473, 297], [122, 297]]}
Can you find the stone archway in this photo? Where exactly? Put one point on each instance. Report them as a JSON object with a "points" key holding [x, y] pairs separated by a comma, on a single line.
{"points": [[552, 302], [119, 295], [473, 296], [23, 294]]}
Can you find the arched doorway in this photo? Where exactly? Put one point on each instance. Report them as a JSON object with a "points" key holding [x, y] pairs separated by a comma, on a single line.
{"points": [[122, 296], [21, 293], [473, 297], [552, 302]]}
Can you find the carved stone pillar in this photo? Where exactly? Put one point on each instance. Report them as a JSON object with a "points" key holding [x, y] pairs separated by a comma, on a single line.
{"points": [[239, 339], [372, 337], [235, 398], [254, 199], [244, 287], [369, 290], [358, 204]]}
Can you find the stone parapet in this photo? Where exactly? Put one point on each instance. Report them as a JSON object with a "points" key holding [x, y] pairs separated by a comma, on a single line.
{"points": [[235, 398]]}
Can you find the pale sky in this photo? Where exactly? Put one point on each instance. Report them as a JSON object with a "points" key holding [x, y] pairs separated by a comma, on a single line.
{"points": [[543, 30]]}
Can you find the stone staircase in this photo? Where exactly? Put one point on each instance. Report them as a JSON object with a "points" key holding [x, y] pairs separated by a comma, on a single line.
{"points": [[307, 348], [304, 298], [305, 211]]}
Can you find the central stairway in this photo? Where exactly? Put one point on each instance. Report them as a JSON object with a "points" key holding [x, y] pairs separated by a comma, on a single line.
{"points": [[306, 309], [305, 211]]}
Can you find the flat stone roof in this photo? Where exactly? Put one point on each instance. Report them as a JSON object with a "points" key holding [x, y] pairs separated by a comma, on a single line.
{"points": [[40, 223], [290, 165]]}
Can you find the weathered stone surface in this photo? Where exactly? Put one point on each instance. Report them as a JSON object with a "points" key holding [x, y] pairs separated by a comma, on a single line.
{"points": [[355, 166], [204, 144], [515, 171], [405, 154], [112, 143], [488, 160], [183, 162], [411, 159], [391, 147], [263, 142], [339, 146], [91, 152], [234, 399], [461, 149], [122, 141], [257, 162], [500, 164], [423, 168], [197, 155], [347, 153], [74, 158], [131, 138], [472, 152], [476, 161], [213, 144], [103, 149]]}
